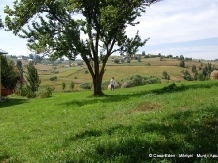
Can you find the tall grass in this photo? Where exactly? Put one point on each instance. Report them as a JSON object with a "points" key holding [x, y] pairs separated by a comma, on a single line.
{"points": [[126, 125]]}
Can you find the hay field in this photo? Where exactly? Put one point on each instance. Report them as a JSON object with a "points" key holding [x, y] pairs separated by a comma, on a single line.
{"points": [[147, 67]]}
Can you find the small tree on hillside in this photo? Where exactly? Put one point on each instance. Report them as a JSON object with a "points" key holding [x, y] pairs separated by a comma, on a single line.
{"points": [[72, 85], [32, 78], [63, 86], [182, 63], [187, 76], [165, 75], [200, 76], [20, 70], [116, 61], [194, 69], [181, 57], [195, 75], [143, 53]]}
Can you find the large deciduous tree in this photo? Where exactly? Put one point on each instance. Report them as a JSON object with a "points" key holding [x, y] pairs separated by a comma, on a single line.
{"points": [[93, 29]]}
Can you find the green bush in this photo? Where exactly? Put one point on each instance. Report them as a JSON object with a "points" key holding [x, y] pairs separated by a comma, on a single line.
{"points": [[105, 84], [187, 76], [137, 80], [54, 71], [86, 85], [165, 75], [45, 92], [116, 61], [86, 71], [53, 78], [25, 92]]}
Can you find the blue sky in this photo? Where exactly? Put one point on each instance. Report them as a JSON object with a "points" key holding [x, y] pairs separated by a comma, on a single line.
{"points": [[177, 27]]}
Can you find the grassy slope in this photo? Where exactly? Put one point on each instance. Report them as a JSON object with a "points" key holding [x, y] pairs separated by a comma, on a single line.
{"points": [[124, 126]]}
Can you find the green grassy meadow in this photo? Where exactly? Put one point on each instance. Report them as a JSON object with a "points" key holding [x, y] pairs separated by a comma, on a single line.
{"points": [[139, 124]]}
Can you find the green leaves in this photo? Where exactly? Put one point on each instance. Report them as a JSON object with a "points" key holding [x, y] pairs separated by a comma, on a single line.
{"points": [[9, 75], [130, 45], [1, 23], [32, 78], [93, 29]]}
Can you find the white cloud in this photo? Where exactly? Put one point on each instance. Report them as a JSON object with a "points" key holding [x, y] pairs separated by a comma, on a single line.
{"points": [[178, 21], [167, 21]]}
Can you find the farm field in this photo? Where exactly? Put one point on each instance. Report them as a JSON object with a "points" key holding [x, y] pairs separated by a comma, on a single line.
{"points": [[78, 75], [127, 125]]}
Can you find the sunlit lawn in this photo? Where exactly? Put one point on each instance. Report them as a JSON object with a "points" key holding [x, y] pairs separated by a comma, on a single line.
{"points": [[124, 126]]}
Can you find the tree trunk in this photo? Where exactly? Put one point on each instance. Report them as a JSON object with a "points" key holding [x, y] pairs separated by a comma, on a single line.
{"points": [[97, 80]]}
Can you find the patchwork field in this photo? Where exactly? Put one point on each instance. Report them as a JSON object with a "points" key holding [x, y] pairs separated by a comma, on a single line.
{"points": [[147, 67]]}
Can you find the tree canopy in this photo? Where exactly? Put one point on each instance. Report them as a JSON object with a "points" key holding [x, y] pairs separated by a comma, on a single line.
{"points": [[1, 23], [92, 29], [9, 75], [32, 77]]}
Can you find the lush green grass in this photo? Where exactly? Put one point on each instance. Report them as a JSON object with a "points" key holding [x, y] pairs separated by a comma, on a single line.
{"points": [[124, 126]]}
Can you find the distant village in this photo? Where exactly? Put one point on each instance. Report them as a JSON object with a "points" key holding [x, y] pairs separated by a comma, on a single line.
{"points": [[35, 58]]}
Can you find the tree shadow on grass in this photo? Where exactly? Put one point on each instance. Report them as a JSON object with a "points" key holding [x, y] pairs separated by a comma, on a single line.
{"points": [[4, 158], [171, 88], [177, 133], [12, 102]]}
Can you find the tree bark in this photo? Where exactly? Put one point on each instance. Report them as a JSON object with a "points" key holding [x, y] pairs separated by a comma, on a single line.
{"points": [[96, 76], [97, 81]]}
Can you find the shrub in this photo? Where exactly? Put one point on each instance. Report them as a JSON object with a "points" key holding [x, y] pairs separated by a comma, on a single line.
{"points": [[54, 72], [71, 85], [63, 85], [53, 78], [137, 80], [116, 60], [24, 92], [165, 75], [182, 63], [105, 84], [187, 76], [45, 92], [86, 71], [86, 85]]}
